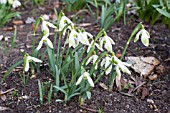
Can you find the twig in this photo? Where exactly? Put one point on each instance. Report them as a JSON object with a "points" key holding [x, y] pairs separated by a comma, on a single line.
{"points": [[139, 85], [7, 91], [92, 110], [126, 94]]}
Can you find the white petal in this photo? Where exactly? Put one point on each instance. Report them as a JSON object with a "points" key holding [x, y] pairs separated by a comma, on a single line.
{"points": [[88, 61], [110, 40], [118, 71], [108, 46], [88, 34], [71, 42], [27, 64], [137, 36], [36, 59], [95, 57], [102, 62], [44, 26], [3, 1], [88, 49], [49, 43], [126, 64], [124, 69], [83, 38], [89, 80], [62, 23], [51, 25], [79, 80], [40, 44], [145, 39], [108, 61], [16, 4], [72, 39]]}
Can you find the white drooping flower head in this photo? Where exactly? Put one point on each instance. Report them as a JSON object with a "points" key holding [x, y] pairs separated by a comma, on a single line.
{"points": [[3, 1], [85, 75], [73, 40], [16, 4], [108, 42], [63, 22], [27, 60], [93, 58], [144, 37], [92, 44], [106, 62], [44, 27], [45, 40], [83, 37], [46, 33], [120, 65]]}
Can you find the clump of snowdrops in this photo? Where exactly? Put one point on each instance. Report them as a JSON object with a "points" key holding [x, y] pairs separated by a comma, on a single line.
{"points": [[79, 62], [7, 10]]}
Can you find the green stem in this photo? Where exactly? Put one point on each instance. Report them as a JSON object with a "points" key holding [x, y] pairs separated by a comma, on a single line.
{"points": [[130, 38]]}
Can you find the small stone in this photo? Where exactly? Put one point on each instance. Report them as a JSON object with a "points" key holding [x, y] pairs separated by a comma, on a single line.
{"points": [[150, 101]]}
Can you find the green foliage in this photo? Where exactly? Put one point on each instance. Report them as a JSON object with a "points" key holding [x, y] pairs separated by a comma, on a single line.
{"points": [[108, 13], [154, 10], [6, 14], [38, 2]]}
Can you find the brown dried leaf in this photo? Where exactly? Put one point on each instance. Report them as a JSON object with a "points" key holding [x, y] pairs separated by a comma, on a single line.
{"points": [[8, 29], [153, 77], [18, 22], [102, 85], [145, 93], [3, 97], [143, 65], [118, 55]]}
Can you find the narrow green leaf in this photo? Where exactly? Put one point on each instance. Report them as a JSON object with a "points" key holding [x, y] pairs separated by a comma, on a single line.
{"points": [[11, 68]]}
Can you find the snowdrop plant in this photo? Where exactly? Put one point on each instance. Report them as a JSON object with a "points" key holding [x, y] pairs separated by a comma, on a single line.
{"points": [[6, 7]]}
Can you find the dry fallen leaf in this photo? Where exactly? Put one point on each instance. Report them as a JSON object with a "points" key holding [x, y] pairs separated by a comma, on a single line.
{"points": [[102, 85], [153, 77], [18, 22], [118, 55], [2, 95], [143, 65], [145, 93], [8, 29]]}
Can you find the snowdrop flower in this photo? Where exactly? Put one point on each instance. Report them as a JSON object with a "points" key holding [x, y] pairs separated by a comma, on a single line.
{"points": [[92, 44], [120, 65], [28, 59], [3, 1], [63, 22], [73, 39], [108, 42], [44, 27], [45, 40], [83, 37], [85, 75], [94, 59], [106, 62], [1, 37], [144, 37], [16, 4]]}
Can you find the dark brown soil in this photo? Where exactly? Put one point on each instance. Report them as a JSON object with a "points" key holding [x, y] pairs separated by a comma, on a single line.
{"points": [[102, 100]]}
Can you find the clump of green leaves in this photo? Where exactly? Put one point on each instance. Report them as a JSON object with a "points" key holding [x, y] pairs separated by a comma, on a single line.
{"points": [[7, 12], [153, 10]]}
